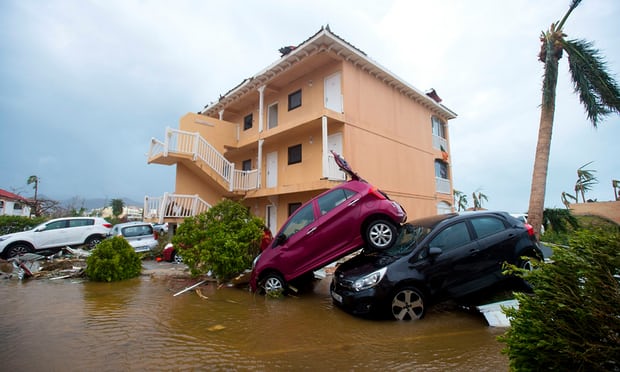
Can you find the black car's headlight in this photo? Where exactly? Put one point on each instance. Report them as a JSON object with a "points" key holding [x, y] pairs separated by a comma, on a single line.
{"points": [[369, 280]]}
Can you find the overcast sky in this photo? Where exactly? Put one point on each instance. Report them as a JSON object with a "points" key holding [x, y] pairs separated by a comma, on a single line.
{"points": [[85, 85]]}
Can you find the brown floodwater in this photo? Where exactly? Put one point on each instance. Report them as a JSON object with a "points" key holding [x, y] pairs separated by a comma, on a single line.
{"points": [[74, 325]]}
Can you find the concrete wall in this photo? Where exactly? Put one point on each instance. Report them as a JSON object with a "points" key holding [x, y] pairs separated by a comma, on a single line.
{"points": [[609, 210]]}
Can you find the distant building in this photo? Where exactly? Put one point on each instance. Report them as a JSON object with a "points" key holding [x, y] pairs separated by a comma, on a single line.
{"points": [[13, 204], [129, 213]]}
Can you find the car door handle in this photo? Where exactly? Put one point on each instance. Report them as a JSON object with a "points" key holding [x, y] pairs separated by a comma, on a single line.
{"points": [[311, 230], [474, 251], [353, 202]]}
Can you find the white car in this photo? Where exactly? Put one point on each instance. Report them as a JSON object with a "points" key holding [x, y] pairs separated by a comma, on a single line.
{"points": [[54, 235], [140, 235]]}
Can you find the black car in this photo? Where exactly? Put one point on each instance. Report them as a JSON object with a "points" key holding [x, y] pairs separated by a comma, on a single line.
{"points": [[436, 258]]}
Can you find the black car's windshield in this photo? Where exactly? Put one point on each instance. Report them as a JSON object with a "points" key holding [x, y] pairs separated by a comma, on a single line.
{"points": [[408, 239]]}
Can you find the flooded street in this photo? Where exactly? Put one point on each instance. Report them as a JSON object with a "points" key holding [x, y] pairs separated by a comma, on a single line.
{"points": [[139, 325]]}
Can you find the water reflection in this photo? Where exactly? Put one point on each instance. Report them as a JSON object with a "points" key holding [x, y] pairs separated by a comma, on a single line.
{"points": [[139, 325]]}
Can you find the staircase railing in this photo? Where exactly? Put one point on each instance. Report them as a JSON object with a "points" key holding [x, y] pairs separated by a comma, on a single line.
{"points": [[189, 143]]}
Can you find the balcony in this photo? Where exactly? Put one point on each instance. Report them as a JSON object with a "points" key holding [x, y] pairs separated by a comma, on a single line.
{"points": [[181, 145], [173, 207]]}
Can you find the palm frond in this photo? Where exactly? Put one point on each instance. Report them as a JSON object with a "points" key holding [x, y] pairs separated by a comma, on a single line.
{"points": [[598, 91], [573, 5]]}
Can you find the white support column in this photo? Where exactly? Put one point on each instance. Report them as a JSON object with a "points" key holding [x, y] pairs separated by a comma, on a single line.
{"points": [[325, 147], [261, 103], [195, 147], [259, 166], [221, 114], [167, 140]]}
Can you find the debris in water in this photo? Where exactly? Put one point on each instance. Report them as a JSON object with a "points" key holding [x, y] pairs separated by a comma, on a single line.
{"points": [[217, 327], [189, 288]]}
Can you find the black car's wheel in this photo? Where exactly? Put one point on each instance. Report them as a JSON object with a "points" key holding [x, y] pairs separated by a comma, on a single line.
{"points": [[92, 241], [407, 304], [380, 234], [18, 249], [176, 258], [273, 284]]}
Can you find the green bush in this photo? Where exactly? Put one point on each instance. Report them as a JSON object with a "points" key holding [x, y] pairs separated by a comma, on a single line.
{"points": [[224, 240], [113, 260], [571, 320], [11, 224]]}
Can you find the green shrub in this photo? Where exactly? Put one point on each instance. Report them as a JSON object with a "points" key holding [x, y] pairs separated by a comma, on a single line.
{"points": [[571, 320], [224, 240], [113, 260], [11, 224]]}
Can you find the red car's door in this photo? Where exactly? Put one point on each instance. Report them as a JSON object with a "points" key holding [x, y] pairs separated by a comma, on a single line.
{"points": [[337, 229]]}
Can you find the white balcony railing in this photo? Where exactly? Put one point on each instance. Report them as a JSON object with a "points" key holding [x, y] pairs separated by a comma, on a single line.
{"points": [[188, 143], [439, 142], [173, 206], [442, 185]]}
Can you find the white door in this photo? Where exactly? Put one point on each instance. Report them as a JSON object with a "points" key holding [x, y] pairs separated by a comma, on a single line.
{"points": [[334, 143], [333, 93], [272, 169], [272, 222]]}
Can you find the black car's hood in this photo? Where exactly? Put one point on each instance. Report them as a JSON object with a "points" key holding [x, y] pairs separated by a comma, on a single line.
{"points": [[364, 263]]}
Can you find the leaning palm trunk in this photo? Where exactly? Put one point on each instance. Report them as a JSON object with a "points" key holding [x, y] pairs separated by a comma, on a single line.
{"points": [[550, 55]]}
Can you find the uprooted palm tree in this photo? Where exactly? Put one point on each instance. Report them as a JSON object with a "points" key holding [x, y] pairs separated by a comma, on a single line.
{"points": [[597, 90], [585, 181]]}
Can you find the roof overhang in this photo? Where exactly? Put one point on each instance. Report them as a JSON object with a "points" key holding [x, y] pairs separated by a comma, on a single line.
{"points": [[327, 42]]}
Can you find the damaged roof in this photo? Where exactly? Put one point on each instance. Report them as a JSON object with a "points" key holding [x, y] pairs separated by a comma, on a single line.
{"points": [[325, 41]]}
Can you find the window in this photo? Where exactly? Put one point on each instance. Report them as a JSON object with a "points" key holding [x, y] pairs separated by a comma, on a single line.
{"points": [[272, 116], [294, 154], [486, 226], [333, 199], [441, 169], [17, 206], [301, 219], [55, 225], [247, 122], [451, 237], [81, 222], [294, 100], [292, 207], [246, 165], [438, 127]]}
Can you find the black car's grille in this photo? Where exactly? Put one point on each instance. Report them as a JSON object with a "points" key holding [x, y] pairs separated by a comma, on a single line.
{"points": [[343, 283]]}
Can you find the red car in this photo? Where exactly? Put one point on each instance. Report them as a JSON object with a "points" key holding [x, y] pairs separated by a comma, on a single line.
{"points": [[326, 228]]}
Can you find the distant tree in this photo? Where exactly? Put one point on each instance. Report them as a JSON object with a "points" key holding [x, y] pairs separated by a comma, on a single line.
{"points": [[585, 181], [35, 205], [596, 88], [478, 198], [565, 199], [117, 207], [460, 200], [75, 206]]}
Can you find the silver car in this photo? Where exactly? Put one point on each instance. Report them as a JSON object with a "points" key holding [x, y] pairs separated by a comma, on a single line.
{"points": [[140, 235]]}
